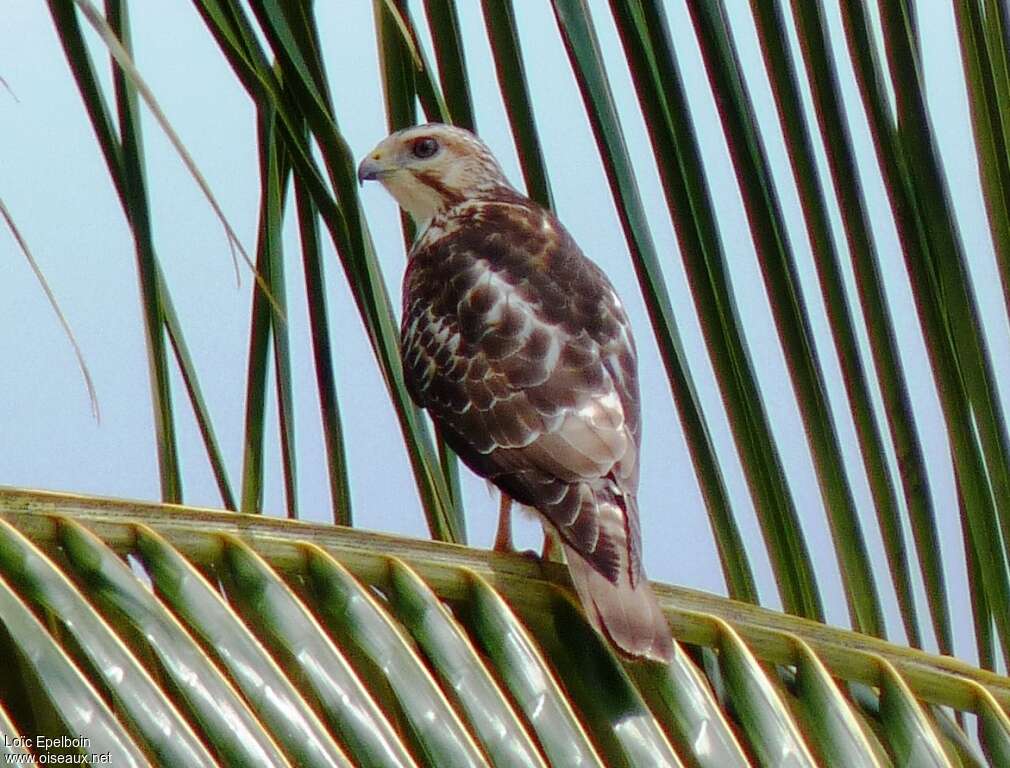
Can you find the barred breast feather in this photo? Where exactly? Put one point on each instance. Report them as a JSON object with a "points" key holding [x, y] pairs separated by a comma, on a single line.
{"points": [[522, 353]]}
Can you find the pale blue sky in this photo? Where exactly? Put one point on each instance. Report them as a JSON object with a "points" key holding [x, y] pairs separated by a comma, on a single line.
{"points": [[53, 179]]}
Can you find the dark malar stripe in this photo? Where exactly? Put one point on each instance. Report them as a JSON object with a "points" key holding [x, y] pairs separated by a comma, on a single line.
{"points": [[432, 181]]}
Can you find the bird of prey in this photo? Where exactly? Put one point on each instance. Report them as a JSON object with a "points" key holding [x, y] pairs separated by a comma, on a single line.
{"points": [[520, 350]]}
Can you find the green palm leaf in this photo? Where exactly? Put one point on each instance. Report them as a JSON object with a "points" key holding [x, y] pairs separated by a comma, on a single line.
{"points": [[188, 637], [426, 643]]}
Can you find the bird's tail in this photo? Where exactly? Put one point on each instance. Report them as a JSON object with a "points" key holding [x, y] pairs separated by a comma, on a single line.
{"points": [[625, 613]]}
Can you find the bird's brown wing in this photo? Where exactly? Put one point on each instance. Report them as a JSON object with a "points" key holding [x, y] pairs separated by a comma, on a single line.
{"points": [[522, 353]]}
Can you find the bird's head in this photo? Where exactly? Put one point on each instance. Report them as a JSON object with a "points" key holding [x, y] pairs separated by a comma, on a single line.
{"points": [[428, 168]]}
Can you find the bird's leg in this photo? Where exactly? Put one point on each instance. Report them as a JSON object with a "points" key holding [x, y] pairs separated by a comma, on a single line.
{"points": [[503, 538]]}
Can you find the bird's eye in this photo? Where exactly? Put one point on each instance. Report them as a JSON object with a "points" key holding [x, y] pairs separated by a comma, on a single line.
{"points": [[425, 148]]}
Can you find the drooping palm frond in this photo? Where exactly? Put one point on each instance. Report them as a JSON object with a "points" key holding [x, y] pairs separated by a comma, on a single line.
{"points": [[422, 626], [264, 642], [124, 157]]}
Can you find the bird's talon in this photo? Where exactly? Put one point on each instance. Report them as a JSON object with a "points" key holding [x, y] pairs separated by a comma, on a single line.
{"points": [[509, 549]]}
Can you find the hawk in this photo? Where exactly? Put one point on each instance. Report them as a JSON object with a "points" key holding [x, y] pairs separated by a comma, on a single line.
{"points": [[520, 350]]}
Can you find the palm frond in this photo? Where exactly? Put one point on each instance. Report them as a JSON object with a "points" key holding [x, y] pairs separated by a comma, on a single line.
{"points": [[331, 647], [326, 646]]}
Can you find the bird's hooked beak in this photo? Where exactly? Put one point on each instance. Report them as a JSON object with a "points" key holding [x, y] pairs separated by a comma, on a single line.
{"points": [[372, 168]]}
